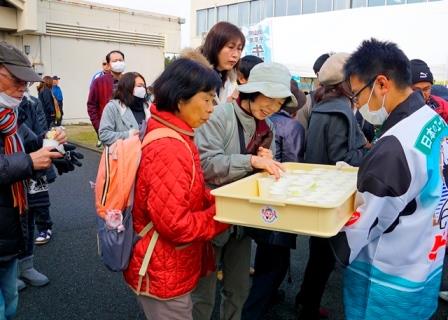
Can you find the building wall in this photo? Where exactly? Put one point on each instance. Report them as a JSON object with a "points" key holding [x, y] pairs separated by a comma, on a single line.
{"points": [[58, 47]]}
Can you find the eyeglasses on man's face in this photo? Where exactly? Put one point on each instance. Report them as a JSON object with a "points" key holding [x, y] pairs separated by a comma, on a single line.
{"points": [[354, 96]]}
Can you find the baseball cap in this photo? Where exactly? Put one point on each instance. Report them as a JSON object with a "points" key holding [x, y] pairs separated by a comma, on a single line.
{"points": [[17, 63], [56, 78], [272, 80]]}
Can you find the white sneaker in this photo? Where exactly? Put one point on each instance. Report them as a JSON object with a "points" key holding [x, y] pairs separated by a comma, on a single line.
{"points": [[43, 237], [443, 295]]}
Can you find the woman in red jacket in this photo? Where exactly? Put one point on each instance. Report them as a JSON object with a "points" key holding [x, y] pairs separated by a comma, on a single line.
{"points": [[172, 195]]}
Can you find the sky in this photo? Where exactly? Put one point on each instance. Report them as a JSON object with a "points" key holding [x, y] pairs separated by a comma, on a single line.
{"points": [[179, 8]]}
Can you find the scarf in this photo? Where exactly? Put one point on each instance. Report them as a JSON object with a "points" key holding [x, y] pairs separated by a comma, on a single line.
{"points": [[263, 136], [13, 144]]}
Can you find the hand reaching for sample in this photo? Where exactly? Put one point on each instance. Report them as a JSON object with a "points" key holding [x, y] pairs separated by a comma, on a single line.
{"points": [[265, 153], [43, 157], [60, 135], [273, 167]]}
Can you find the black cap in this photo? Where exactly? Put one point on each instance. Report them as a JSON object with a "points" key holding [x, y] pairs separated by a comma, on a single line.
{"points": [[17, 63], [56, 78], [420, 72], [319, 62]]}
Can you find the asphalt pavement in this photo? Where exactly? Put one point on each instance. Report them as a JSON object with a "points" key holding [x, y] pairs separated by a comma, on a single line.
{"points": [[82, 288]]}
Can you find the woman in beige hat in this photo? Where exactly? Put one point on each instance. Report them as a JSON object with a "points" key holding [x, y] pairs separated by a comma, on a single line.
{"points": [[235, 142]]}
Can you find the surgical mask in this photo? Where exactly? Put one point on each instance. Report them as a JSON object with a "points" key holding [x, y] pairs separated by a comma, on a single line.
{"points": [[374, 117], [8, 101], [139, 92], [118, 66]]}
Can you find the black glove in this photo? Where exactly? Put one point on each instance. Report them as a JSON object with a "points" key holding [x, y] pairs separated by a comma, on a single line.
{"points": [[70, 159]]}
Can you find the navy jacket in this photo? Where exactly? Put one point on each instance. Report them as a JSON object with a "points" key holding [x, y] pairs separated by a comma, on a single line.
{"points": [[15, 167], [289, 137]]}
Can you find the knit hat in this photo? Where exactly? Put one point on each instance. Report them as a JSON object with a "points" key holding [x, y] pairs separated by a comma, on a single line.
{"points": [[420, 72], [332, 71]]}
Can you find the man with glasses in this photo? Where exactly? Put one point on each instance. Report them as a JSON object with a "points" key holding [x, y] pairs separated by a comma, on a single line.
{"points": [[16, 166], [422, 80], [394, 244]]}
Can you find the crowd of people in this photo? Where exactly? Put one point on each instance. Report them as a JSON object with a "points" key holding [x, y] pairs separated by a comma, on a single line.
{"points": [[372, 108]]}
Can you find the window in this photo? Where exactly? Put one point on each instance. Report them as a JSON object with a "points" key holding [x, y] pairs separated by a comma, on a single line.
{"points": [[210, 18], [201, 22], [268, 8], [222, 13], [294, 7], [280, 8], [415, 1], [255, 12], [243, 14], [394, 2], [341, 4], [233, 14], [323, 5], [309, 6], [374, 3], [359, 3]]}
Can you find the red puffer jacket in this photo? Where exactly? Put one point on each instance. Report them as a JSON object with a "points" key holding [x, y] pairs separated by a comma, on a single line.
{"points": [[183, 217], [441, 106]]}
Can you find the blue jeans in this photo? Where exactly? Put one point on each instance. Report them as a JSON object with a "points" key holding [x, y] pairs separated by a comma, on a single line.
{"points": [[9, 296]]}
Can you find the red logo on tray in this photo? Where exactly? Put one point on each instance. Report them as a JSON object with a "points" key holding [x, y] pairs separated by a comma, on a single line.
{"points": [[269, 214], [353, 219]]}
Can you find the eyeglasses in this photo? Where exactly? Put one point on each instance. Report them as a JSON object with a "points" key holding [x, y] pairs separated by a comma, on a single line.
{"points": [[354, 97], [17, 82]]}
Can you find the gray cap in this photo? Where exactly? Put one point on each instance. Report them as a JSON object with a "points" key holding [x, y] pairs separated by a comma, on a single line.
{"points": [[17, 63], [272, 80], [332, 71]]}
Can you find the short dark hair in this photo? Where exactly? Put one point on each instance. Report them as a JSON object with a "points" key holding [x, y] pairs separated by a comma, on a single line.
{"points": [[113, 51], [125, 87], [319, 62], [325, 93], [374, 57], [181, 80], [218, 36], [247, 63]]}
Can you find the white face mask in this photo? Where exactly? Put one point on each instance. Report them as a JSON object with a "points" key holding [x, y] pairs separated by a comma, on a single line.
{"points": [[118, 66], [139, 92], [374, 117], [8, 102]]}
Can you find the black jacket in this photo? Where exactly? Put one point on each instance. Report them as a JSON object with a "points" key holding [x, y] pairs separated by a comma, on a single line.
{"points": [[13, 168], [46, 98], [334, 134]]}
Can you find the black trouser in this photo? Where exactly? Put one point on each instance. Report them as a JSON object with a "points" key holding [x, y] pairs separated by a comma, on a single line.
{"points": [[271, 266], [321, 263], [42, 217]]}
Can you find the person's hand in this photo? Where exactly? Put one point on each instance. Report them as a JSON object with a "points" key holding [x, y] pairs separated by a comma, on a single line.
{"points": [[133, 132], [342, 165], [60, 135], [43, 157], [271, 166], [69, 161], [265, 153]]}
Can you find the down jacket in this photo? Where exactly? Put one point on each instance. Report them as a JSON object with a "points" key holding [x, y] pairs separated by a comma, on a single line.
{"points": [[182, 217]]}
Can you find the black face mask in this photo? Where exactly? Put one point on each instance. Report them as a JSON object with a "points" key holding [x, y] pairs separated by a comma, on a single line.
{"points": [[137, 104]]}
